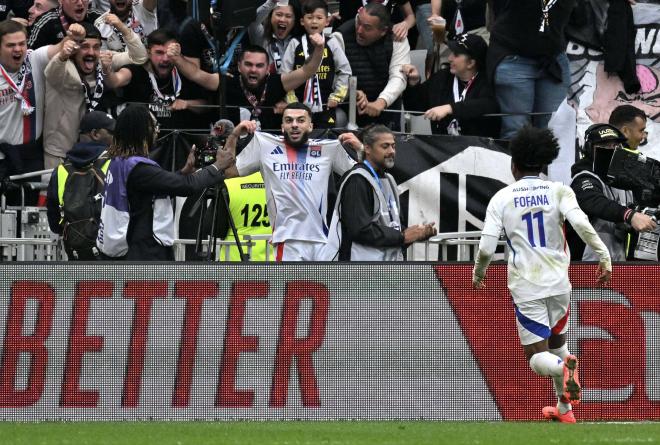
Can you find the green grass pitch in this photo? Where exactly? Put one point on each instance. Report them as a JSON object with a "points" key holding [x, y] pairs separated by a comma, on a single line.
{"points": [[330, 433]]}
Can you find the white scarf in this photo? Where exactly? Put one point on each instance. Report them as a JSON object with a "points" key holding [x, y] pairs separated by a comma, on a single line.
{"points": [[19, 86], [176, 83], [312, 95], [454, 128], [92, 100]]}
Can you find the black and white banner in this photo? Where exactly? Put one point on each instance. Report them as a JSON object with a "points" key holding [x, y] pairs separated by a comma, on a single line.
{"points": [[449, 180]]}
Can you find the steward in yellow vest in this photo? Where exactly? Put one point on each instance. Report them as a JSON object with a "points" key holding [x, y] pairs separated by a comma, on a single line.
{"points": [[73, 199], [247, 204]]}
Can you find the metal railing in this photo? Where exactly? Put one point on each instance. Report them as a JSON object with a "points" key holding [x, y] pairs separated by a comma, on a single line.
{"points": [[248, 244], [451, 246], [466, 246], [31, 249]]}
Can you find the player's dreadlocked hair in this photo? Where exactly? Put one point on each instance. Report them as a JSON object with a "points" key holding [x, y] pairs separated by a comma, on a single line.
{"points": [[533, 148], [134, 133]]}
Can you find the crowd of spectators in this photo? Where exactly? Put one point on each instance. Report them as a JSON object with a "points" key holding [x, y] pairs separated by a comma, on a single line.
{"points": [[126, 55]]}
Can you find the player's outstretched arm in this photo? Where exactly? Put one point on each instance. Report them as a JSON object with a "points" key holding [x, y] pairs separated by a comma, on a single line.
{"points": [[487, 246], [350, 140], [244, 127]]}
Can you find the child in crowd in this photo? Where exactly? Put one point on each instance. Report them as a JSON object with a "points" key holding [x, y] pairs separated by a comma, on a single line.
{"points": [[323, 92]]}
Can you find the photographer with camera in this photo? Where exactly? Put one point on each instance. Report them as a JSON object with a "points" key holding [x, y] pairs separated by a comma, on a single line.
{"points": [[137, 220], [234, 209], [606, 206]]}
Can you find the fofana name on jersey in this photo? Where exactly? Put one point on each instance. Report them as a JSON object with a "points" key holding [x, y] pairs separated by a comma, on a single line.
{"points": [[530, 201]]}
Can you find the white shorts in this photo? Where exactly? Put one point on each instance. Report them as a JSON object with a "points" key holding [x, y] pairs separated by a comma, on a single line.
{"points": [[538, 319], [294, 250]]}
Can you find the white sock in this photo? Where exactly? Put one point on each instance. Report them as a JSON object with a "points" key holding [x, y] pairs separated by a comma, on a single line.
{"points": [[564, 407], [546, 364], [561, 352]]}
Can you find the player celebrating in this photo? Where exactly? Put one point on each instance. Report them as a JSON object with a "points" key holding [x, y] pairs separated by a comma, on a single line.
{"points": [[532, 211], [296, 171]]}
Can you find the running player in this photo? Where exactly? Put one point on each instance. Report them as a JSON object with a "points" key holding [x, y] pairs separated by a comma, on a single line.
{"points": [[532, 212], [296, 170]]}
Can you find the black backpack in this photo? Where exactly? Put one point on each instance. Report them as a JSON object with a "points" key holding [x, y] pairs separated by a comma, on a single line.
{"points": [[81, 210]]}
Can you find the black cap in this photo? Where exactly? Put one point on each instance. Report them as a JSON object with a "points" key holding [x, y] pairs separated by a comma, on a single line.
{"points": [[603, 133], [472, 45], [96, 120]]}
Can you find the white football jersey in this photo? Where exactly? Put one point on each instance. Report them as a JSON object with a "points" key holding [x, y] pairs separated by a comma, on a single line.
{"points": [[296, 182], [531, 212]]}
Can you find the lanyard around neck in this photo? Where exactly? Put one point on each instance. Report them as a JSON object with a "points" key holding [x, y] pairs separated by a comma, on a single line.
{"points": [[380, 184]]}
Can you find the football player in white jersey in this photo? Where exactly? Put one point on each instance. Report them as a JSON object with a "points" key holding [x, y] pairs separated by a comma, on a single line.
{"points": [[296, 170], [532, 212]]}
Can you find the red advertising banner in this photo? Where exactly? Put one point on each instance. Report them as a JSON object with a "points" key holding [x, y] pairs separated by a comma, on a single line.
{"points": [[613, 330], [312, 341]]}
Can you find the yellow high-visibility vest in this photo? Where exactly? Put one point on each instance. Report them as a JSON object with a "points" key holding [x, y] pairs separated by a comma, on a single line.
{"points": [[247, 205]]}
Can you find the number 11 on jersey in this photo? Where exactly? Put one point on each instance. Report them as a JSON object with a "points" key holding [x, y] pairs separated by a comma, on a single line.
{"points": [[528, 218]]}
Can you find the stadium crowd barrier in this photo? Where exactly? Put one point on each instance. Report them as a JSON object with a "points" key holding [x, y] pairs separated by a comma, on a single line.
{"points": [[186, 341], [45, 248]]}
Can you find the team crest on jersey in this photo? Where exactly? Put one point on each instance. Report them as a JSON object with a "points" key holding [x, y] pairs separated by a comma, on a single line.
{"points": [[315, 151]]}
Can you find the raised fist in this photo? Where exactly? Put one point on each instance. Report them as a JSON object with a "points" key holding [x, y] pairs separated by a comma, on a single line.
{"points": [[76, 32], [106, 61], [68, 48], [173, 49], [317, 40]]}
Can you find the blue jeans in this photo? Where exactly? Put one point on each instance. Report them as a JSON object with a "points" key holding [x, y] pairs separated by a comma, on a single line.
{"points": [[422, 13], [522, 86]]}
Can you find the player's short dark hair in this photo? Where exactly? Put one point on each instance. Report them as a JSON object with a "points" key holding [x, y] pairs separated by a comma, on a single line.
{"points": [[370, 134], [309, 6], [10, 27], [253, 49], [380, 11], [160, 37], [298, 106], [625, 114], [533, 148]]}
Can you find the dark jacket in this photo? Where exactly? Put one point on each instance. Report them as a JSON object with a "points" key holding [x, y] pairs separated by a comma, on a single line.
{"points": [[516, 32], [619, 51], [370, 64], [605, 213], [587, 25], [479, 100], [144, 183], [590, 196], [357, 221]]}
